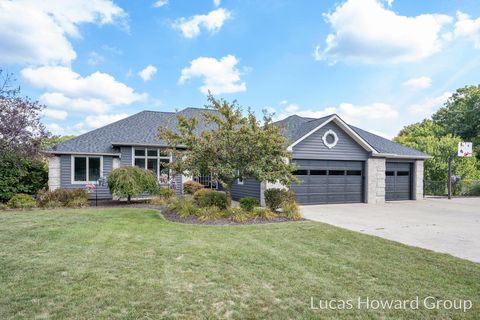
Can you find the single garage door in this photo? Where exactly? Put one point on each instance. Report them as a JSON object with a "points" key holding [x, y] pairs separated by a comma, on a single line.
{"points": [[398, 183], [328, 181]]}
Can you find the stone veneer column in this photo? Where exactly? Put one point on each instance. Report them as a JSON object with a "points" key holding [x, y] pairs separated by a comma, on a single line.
{"points": [[376, 180], [53, 173], [418, 182]]}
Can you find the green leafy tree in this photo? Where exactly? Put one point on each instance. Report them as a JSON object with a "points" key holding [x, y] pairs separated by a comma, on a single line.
{"points": [[231, 146], [431, 138], [20, 174], [461, 116], [128, 182], [50, 142]]}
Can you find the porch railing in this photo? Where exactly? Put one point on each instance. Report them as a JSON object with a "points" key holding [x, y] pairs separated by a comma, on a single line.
{"points": [[207, 182]]}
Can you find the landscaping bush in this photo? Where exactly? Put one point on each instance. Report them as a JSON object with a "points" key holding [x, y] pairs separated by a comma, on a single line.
{"points": [[184, 207], [291, 211], [62, 197], [20, 174], [238, 215], [248, 203], [3, 206], [264, 213], [128, 182], [190, 187], [274, 198], [210, 213], [165, 192], [210, 198], [21, 201]]}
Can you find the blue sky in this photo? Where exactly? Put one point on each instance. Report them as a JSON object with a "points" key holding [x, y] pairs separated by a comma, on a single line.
{"points": [[379, 64]]}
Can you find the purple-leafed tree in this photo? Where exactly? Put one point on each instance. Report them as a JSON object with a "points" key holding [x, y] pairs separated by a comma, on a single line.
{"points": [[21, 131]]}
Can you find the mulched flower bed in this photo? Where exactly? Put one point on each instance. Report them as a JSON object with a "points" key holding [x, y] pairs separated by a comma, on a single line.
{"points": [[174, 217]]}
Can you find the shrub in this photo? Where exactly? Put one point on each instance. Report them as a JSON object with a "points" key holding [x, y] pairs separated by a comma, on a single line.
{"points": [[165, 192], [248, 203], [274, 198], [238, 215], [264, 213], [210, 198], [21, 201], [20, 174], [62, 198], [77, 202], [184, 207], [475, 190], [3, 206], [291, 211], [210, 213], [190, 187], [128, 182], [52, 204]]}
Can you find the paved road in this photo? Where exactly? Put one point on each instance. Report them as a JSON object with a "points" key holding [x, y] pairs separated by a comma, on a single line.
{"points": [[442, 225]]}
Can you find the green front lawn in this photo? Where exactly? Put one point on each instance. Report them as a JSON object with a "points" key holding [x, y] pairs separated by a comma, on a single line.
{"points": [[131, 263]]}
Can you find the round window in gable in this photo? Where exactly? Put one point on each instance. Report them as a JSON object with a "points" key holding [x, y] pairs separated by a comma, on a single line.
{"points": [[330, 139]]}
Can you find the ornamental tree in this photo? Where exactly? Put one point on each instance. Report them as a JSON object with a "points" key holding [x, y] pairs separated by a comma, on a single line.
{"points": [[229, 146], [128, 182]]}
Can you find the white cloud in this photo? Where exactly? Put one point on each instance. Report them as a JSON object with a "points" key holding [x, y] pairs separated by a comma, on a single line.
{"points": [[379, 118], [467, 28], [160, 3], [365, 31], [65, 88], [430, 105], [93, 122], [212, 22], [219, 76], [389, 2], [420, 82], [57, 129], [94, 58], [35, 32], [54, 114], [148, 72], [216, 3]]}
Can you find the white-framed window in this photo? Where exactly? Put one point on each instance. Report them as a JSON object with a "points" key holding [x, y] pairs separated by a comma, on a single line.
{"points": [[240, 177], [153, 159], [86, 169]]}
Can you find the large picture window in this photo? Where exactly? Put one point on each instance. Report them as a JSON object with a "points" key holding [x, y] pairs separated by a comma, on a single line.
{"points": [[153, 159], [86, 169]]}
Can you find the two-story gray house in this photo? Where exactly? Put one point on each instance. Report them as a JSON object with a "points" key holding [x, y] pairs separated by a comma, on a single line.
{"points": [[337, 162]]}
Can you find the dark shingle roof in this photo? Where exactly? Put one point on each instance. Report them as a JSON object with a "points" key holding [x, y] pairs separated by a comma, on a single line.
{"points": [[296, 127], [140, 128]]}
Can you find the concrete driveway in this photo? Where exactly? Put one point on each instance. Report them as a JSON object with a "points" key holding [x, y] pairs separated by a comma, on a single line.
{"points": [[442, 225]]}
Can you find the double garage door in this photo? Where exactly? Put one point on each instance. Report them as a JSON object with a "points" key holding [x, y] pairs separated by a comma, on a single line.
{"points": [[398, 181], [328, 181]]}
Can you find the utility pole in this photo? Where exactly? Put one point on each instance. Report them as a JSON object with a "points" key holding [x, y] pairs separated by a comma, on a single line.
{"points": [[450, 177]]}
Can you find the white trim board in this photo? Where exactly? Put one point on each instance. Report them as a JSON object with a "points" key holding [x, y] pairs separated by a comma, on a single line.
{"points": [[344, 127]]}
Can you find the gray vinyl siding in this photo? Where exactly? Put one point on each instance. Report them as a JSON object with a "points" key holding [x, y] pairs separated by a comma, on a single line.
{"points": [[126, 157], [250, 188], [313, 147], [66, 176]]}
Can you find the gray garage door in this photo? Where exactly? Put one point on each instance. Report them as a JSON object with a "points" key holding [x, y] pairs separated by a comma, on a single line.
{"points": [[398, 181], [326, 181]]}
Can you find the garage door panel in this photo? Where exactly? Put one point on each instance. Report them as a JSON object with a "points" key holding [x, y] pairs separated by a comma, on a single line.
{"points": [[329, 181], [398, 181]]}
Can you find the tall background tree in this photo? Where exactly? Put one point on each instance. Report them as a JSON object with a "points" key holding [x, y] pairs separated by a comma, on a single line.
{"points": [[22, 169], [231, 146], [461, 116], [458, 120]]}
